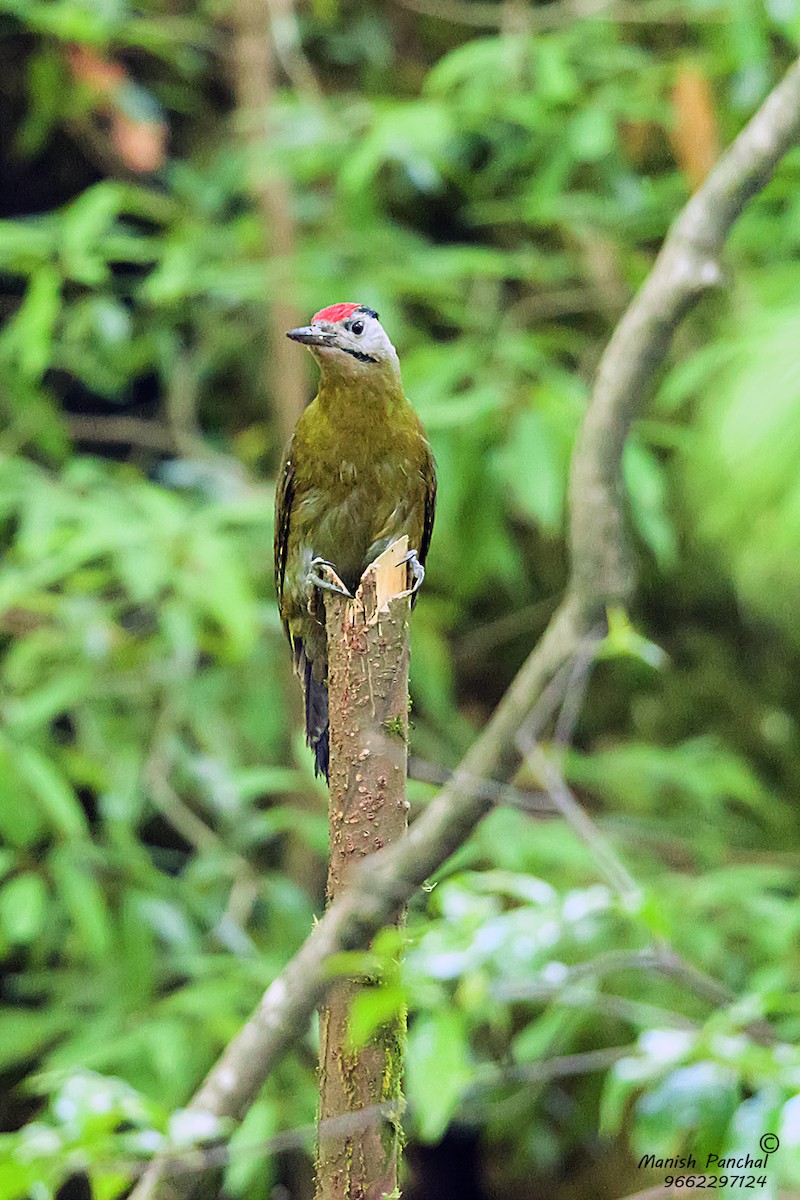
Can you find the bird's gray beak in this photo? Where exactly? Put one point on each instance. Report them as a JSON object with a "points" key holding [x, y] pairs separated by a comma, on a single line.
{"points": [[309, 336]]}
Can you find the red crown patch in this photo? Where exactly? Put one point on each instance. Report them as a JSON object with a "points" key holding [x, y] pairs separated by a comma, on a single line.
{"points": [[336, 312]]}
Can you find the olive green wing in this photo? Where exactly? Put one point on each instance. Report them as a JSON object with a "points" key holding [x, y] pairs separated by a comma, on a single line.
{"points": [[428, 472], [284, 501]]}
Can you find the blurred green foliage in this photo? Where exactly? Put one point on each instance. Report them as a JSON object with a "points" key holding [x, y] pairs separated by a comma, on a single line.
{"points": [[497, 193]]}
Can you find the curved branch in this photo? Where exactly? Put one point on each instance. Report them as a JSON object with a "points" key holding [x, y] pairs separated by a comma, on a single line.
{"points": [[687, 265], [601, 574]]}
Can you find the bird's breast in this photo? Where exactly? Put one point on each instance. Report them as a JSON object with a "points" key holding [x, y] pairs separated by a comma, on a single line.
{"points": [[349, 509]]}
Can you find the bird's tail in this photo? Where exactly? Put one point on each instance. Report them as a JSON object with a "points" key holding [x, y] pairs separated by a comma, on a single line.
{"points": [[317, 727]]}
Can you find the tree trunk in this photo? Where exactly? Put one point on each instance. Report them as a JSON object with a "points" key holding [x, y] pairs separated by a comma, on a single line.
{"points": [[368, 693]]}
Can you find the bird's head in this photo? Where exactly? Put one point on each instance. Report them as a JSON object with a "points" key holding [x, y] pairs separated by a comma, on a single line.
{"points": [[348, 339]]}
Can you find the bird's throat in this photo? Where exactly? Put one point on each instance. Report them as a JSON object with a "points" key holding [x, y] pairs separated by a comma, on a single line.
{"points": [[358, 407]]}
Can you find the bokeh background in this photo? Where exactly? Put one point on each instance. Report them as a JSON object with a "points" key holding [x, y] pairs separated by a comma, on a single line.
{"points": [[181, 182]]}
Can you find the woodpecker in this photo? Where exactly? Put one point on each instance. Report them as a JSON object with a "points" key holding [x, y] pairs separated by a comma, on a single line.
{"points": [[357, 474]]}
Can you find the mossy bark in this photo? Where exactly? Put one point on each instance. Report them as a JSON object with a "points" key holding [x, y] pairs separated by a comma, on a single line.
{"points": [[368, 701]]}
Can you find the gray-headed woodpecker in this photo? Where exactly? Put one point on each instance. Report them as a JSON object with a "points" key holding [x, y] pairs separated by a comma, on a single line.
{"points": [[357, 474]]}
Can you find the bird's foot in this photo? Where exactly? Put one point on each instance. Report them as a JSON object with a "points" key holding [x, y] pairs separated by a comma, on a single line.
{"points": [[416, 571], [323, 575]]}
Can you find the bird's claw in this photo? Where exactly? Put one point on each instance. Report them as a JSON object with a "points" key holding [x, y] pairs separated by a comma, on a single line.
{"points": [[329, 581], [417, 572]]}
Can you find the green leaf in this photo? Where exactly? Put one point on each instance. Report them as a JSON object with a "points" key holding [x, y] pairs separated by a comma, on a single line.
{"points": [[437, 1070], [702, 1095], [38, 708], [21, 823], [618, 1088], [47, 78], [25, 246], [534, 1041], [86, 222], [533, 469], [414, 135], [29, 337], [371, 1009], [24, 1033], [624, 640], [53, 791], [18, 1179], [23, 907], [249, 1164], [592, 133], [645, 478], [216, 582], [83, 900], [252, 782]]}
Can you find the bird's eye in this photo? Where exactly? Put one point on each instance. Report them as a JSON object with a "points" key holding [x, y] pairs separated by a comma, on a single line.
{"points": [[357, 328]]}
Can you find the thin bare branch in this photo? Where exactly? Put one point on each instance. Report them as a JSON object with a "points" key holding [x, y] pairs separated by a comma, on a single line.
{"points": [[560, 1066], [653, 1193], [495, 793], [124, 430], [482, 640], [608, 861], [556, 15], [204, 1158]]}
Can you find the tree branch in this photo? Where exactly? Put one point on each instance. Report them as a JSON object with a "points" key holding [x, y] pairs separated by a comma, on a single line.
{"points": [[560, 13], [687, 266], [152, 435], [367, 809], [256, 49], [601, 575]]}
